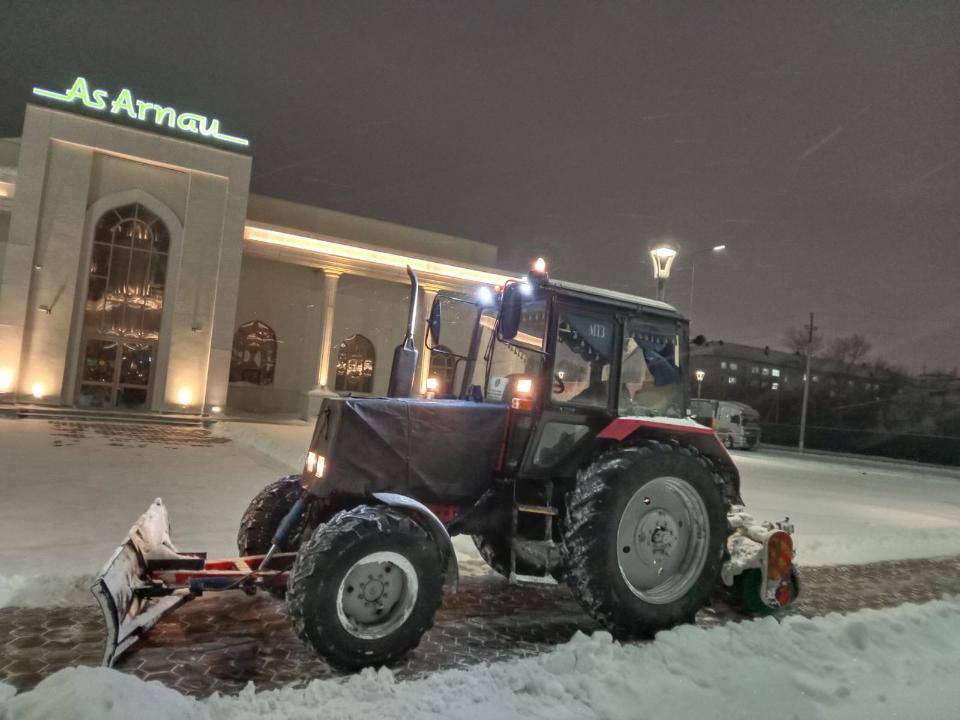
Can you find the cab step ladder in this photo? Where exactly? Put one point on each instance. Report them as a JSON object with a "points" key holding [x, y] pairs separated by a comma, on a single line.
{"points": [[531, 529]]}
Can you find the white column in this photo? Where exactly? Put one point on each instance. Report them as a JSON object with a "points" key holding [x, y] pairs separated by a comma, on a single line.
{"points": [[331, 278], [428, 296]]}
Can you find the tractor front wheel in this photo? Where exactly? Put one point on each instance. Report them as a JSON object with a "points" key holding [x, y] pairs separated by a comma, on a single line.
{"points": [[645, 535], [263, 515], [365, 587]]}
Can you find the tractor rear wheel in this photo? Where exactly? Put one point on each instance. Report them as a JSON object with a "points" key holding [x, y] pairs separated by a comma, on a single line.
{"points": [[365, 587], [645, 535]]}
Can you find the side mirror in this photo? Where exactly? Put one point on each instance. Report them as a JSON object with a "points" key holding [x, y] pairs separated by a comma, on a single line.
{"points": [[433, 322], [510, 310]]}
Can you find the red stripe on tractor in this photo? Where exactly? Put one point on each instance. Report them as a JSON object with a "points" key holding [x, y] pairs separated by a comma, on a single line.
{"points": [[622, 428]]}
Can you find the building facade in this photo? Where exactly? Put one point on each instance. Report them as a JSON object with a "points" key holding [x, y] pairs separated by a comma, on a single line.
{"points": [[137, 272]]}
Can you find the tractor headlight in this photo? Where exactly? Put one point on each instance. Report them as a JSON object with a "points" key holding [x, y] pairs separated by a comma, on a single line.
{"points": [[316, 464]]}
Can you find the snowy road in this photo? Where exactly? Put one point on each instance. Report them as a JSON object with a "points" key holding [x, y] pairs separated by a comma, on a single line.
{"points": [[853, 510]]}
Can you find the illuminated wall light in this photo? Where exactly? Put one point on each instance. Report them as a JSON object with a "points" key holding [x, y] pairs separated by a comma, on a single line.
{"points": [[269, 236], [184, 396], [6, 380], [38, 390], [216, 409], [7, 189]]}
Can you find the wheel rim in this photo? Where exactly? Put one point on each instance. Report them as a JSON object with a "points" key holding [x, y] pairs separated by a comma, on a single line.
{"points": [[377, 595], [662, 540]]}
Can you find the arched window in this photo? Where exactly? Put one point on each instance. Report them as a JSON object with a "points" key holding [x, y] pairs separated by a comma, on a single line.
{"points": [[254, 355], [123, 308], [443, 367], [355, 359]]}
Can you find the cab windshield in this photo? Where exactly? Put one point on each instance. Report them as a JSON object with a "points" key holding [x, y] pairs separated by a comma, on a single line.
{"points": [[502, 361], [651, 370]]}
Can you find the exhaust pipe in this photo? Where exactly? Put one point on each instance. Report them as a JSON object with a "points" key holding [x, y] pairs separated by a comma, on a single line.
{"points": [[404, 367]]}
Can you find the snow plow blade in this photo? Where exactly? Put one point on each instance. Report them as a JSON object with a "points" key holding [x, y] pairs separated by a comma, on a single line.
{"points": [[130, 600]]}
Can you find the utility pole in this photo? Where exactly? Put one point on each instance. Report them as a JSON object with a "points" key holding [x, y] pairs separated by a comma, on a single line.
{"points": [[806, 384]]}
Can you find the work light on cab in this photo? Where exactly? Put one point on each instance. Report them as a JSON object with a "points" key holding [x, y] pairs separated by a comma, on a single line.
{"points": [[522, 394]]}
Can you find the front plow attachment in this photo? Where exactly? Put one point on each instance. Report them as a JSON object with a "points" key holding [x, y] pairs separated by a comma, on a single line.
{"points": [[147, 577], [131, 601]]}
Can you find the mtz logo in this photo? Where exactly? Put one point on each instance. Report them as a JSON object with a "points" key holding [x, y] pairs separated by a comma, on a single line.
{"points": [[598, 330]]}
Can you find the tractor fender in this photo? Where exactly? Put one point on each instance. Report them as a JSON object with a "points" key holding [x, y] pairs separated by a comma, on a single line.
{"points": [[431, 523], [684, 431]]}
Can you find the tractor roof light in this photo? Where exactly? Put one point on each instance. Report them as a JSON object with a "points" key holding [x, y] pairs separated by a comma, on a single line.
{"points": [[539, 268], [484, 295]]}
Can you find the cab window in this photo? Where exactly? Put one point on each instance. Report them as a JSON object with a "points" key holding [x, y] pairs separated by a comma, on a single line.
{"points": [[650, 372], [582, 361]]}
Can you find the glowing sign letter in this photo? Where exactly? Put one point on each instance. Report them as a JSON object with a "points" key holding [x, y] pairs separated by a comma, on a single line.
{"points": [[123, 103]]}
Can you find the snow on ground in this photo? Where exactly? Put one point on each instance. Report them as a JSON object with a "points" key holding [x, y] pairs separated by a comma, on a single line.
{"points": [[63, 510], [898, 662], [855, 510]]}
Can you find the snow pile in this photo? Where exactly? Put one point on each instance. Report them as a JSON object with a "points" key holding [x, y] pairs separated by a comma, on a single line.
{"points": [[6, 692], [899, 662], [46, 590], [83, 693]]}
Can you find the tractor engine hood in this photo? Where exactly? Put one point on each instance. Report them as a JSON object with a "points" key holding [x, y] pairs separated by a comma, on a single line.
{"points": [[439, 452]]}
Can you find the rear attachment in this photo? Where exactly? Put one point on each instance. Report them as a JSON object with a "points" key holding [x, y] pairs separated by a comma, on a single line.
{"points": [[148, 577], [760, 571]]}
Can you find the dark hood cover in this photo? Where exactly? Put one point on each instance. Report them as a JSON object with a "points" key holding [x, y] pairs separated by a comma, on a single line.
{"points": [[438, 452]]}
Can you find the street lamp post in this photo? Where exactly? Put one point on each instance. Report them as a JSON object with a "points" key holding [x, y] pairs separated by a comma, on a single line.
{"points": [[700, 376], [663, 257], [693, 270]]}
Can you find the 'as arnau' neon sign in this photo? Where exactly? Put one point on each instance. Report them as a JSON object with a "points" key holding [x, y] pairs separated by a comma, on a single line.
{"points": [[125, 104]]}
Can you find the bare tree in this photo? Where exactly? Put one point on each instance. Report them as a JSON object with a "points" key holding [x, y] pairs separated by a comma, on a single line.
{"points": [[849, 350], [798, 340]]}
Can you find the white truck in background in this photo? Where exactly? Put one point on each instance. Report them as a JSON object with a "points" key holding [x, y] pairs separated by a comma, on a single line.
{"points": [[737, 424]]}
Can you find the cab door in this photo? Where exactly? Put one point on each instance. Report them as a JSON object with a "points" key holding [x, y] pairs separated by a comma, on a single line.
{"points": [[581, 400]]}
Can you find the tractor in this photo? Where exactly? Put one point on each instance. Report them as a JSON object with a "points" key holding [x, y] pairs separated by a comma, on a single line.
{"points": [[557, 437]]}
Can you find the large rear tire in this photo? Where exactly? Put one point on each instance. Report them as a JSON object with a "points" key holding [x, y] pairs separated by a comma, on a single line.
{"points": [[263, 515], [365, 587], [645, 535]]}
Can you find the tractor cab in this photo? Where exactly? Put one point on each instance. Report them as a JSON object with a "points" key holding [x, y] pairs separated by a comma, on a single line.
{"points": [[565, 359]]}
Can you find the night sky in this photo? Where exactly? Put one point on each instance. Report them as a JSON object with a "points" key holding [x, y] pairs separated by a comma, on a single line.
{"points": [[821, 143]]}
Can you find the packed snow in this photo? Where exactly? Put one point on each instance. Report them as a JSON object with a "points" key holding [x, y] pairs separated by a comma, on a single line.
{"points": [[899, 662]]}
